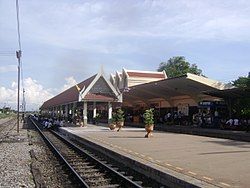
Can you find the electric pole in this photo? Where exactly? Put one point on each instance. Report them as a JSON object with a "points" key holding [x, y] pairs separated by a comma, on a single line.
{"points": [[18, 55]]}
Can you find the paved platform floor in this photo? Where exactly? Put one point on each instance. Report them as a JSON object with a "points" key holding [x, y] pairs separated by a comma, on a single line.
{"points": [[221, 162]]}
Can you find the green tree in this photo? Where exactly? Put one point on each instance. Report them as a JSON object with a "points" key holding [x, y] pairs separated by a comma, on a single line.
{"points": [[242, 82], [241, 106], [178, 66]]}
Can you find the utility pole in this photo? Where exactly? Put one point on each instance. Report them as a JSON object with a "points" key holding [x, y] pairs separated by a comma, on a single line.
{"points": [[18, 55], [24, 104]]}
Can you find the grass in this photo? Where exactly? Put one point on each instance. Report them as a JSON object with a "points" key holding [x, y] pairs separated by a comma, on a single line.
{"points": [[4, 115]]}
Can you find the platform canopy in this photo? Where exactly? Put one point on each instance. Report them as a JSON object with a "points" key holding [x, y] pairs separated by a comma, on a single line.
{"points": [[233, 93], [94, 89], [168, 89]]}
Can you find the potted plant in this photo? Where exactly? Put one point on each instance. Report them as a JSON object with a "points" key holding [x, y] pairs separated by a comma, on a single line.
{"points": [[112, 121], [148, 118], [97, 118], [119, 118]]}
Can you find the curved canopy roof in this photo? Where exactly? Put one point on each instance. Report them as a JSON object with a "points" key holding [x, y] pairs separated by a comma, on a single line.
{"points": [[188, 84]]}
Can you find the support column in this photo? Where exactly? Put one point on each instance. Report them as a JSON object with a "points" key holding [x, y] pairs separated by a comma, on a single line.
{"points": [[73, 110], [85, 111], [109, 111], [66, 111], [57, 111], [94, 109], [61, 110]]}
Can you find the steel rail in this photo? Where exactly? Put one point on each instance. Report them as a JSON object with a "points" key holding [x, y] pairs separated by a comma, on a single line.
{"points": [[124, 178], [79, 178]]}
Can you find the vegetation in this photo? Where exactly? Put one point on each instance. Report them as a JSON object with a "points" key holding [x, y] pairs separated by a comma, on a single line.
{"points": [[242, 82], [97, 118], [148, 117], [178, 66], [241, 107], [6, 112], [120, 115], [114, 118]]}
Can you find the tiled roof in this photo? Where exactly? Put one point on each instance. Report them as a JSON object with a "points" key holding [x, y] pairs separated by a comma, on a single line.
{"points": [[147, 75], [68, 96]]}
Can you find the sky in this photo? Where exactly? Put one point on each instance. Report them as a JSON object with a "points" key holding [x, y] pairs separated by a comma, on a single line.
{"points": [[65, 42]]}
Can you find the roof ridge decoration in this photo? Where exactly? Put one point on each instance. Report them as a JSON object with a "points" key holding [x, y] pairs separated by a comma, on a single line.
{"points": [[100, 74], [81, 93]]}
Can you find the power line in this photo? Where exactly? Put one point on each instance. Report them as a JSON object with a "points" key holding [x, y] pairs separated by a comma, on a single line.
{"points": [[7, 53]]}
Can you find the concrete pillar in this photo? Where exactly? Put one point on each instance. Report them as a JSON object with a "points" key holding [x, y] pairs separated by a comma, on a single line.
{"points": [[66, 110], [54, 111], [61, 110], [73, 109], [85, 111], [109, 111], [70, 108], [58, 110], [94, 109]]}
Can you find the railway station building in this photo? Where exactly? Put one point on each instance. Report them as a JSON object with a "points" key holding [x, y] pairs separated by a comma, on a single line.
{"points": [[134, 91]]}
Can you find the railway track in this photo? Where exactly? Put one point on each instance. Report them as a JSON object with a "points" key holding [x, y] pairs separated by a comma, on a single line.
{"points": [[87, 168], [6, 128]]}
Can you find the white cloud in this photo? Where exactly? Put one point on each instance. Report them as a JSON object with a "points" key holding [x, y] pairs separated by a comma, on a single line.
{"points": [[8, 68], [35, 93], [8, 96], [66, 37], [92, 21], [70, 81]]}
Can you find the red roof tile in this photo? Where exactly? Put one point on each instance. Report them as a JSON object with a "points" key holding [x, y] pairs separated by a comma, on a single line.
{"points": [[68, 96], [147, 75]]}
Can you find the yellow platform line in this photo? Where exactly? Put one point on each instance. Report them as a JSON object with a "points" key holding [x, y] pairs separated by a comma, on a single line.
{"points": [[158, 161], [178, 168], [225, 184], [190, 172], [207, 178], [168, 164]]}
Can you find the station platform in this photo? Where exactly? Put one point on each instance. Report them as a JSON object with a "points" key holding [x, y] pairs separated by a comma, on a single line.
{"points": [[177, 160]]}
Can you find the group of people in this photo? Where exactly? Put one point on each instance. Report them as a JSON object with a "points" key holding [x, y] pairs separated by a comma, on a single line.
{"points": [[50, 122], [176, 117], [236, 124]]}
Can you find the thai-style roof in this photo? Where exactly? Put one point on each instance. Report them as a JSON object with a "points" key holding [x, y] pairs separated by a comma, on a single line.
{"points": [[68, 96], [95, 88]]}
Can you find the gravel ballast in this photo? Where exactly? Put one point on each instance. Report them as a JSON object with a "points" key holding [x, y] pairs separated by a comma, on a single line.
{"points": [[17, 164]]}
